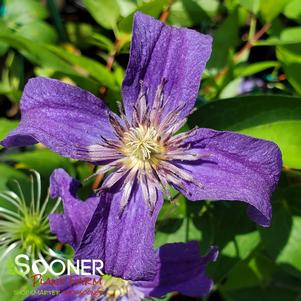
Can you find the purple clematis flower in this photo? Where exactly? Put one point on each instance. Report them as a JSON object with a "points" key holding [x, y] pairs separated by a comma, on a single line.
{"points": [[142, 146], [133, 269]]}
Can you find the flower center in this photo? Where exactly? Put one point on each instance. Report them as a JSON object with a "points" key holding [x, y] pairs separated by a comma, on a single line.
{"points": [[32, 232], [114, 288], [142, 143]]}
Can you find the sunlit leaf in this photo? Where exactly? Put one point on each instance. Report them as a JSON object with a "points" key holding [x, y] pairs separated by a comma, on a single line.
{"points": [[272, 8], [105, 12], [152, 8], [293, 10], [271, 117]]}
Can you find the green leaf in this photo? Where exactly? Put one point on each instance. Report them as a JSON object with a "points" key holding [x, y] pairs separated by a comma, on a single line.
{"points": [[152, 8], [259, 293], [270, 9], [189, 12], [271, 117], [26, 18], [287, 36], [127, 7], [290, 254], [251, 5], [291, 61], [42, 160], [21, 12], [231, 89], [293, 73], [226, 225], [13, 287], [292, 34], [35, 52], [58, 59], [3, 48], [9, 173], [289, 54], [249, 273], [242, 245], [254, 68], [293, 10], [102, 41], [83, 35], [105, 12], [6, 126], [38, 31], [225, 38], [171, 222], [276, 237], [95, 69]]}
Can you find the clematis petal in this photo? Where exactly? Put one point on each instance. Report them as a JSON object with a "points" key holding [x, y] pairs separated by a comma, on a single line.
{"points": [[182, 269], [234, 167], [123, 240], [69, 226], [60, 116], [164, 53]]}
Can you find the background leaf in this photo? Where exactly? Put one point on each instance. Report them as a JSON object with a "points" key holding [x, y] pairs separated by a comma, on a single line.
{"points": [[105, 12], [276, 118]]}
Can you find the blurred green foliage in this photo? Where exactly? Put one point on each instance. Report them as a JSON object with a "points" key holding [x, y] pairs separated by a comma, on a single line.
{"points": [[252, 85]]}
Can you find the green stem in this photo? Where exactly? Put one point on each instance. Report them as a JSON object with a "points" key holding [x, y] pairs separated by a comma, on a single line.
{"points": [[2, 8], [187, 222], [57, 20]]}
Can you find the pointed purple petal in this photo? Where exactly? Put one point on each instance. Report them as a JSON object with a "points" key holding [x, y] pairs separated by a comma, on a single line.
{"points": [[182, 270], [60, 116], [235, 167], [159, 52], [69, 226], [123, 240]]}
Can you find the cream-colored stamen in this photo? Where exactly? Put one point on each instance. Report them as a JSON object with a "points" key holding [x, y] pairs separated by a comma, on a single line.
{"points": [[114, 288], [141, 143]]}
